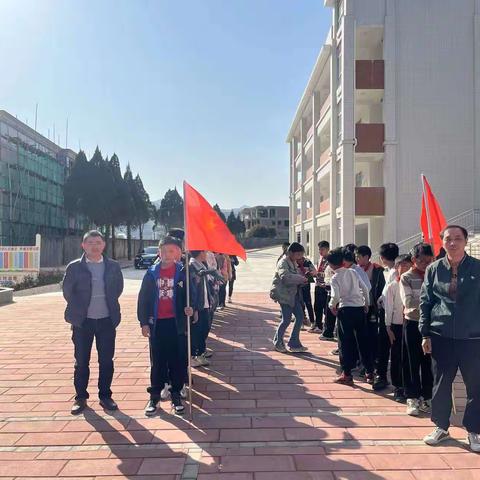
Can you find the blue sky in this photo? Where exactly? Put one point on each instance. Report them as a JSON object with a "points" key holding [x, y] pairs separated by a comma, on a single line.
{"points": [[201, 90]]}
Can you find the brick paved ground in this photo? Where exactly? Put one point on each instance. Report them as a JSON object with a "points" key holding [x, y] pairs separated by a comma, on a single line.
{"points": [[259, 415]]}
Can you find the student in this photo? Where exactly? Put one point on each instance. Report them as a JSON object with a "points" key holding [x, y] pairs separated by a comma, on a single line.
{"points": [[199, 274], [225, 268], [394, 320], [322, 294], [417, 365], [286, 290], [92, 286], [307, 269], [349, 261], [285, 246], [234, 262], [377, 333], [162, 313], [349, 302]]}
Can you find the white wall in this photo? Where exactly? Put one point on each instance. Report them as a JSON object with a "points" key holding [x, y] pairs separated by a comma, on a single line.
{"points": [[435, 113]]}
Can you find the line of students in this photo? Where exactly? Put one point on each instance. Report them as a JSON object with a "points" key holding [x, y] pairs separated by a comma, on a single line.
{"points": [[395, 314]]}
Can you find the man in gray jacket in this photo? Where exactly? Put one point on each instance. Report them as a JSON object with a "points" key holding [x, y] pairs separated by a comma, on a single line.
{"points": [[450, 328], [91, 287]]}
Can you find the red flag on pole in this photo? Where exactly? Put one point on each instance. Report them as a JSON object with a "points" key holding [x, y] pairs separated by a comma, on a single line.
{"points": [[432, 220], [204, 229]]}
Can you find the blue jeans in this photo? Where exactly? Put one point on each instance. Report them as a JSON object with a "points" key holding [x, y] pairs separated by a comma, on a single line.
{"points": [[287, 311]]}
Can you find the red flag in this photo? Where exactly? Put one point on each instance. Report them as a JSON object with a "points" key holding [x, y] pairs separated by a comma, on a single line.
{"points": [[432, 220], [204, 229]]}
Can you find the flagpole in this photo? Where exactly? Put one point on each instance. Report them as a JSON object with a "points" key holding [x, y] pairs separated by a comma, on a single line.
{"points": [[429, 226], [187, 283]]}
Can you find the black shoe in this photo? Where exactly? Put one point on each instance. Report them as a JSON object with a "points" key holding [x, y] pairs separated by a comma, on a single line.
{"points": [[335, 352], [108, 404], [380, 384], [78, 406], [177, 405], [326, 337], [399, 395], [362, 373], [151, 408]]}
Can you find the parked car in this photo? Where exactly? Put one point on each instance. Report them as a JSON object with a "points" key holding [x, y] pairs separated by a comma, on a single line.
{"points": [[146, 257]]}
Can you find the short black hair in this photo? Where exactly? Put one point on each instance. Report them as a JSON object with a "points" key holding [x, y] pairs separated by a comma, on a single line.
{"points": [[403, 258], [285, 244], [296, 247], [196, 253], [335, 257], [364, 251], [389, 251], [168, 240], [348, 255], [422, 249], [351, 247], [448, 227], [93, 234], [177, 233], [323, 244]]}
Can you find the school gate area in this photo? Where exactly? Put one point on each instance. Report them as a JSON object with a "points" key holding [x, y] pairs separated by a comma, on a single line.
{"points": [[258, 414]]}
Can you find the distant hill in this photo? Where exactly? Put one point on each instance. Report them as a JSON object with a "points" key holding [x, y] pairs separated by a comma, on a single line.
{"points": [[226, 211]]}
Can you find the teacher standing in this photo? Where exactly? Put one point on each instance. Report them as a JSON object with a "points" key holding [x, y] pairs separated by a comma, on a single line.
{"points": [[450, 328]]}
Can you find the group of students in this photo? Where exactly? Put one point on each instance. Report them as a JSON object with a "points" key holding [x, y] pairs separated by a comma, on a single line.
{"points": [[386, 317], [92, 286]]}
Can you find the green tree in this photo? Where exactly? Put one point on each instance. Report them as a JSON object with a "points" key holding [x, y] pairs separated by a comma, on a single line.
{"points": [[240, 226], [143, 207], [170, 213], [130, 207], [232, 223], [220, 213]]}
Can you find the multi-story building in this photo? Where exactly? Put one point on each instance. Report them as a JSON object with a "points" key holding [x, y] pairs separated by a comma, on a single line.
{"points": [[33, 170], [271, 216], [395, 92]]}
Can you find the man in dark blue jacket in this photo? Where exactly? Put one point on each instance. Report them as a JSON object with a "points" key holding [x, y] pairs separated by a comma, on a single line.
{"points": [[162, 312], [91, 287]]}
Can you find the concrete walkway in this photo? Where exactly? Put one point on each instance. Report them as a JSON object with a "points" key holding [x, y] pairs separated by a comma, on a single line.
{"points": [[258, 414]]}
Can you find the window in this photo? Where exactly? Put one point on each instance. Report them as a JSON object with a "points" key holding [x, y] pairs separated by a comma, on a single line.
{"points": [[286, 223], [262, 213], [298, 237], [279, 222], [273, 222]]}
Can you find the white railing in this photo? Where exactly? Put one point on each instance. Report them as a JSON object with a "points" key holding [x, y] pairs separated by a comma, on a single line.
{"points": [[470, 220]]}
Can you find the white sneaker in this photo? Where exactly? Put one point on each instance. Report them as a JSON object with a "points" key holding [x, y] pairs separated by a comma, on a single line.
{"points": [[299, 350], [436, 437], [184, 393], [203, 361], [426, 406], [165, 393], [474, 441], [230, 300], [413, 407], [196, 362]]}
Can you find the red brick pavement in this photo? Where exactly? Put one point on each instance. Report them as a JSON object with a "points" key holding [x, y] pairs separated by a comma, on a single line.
{"points": [[258, 414]]}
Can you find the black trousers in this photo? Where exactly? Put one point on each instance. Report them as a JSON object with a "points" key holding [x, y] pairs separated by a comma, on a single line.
{"points": [[417, 367], [352, 335], [103, 332], [449, 355], [230, 287], [168, 357], [222, 295], [396, 357], [200, 330], [307, 300], [322, 311]]}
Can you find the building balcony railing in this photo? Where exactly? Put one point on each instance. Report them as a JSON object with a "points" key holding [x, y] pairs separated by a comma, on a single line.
{"points": [[325, 157], [309, 173], [370, 74], [309, 212], [369, 201], [370, 137], [325, 206]]}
